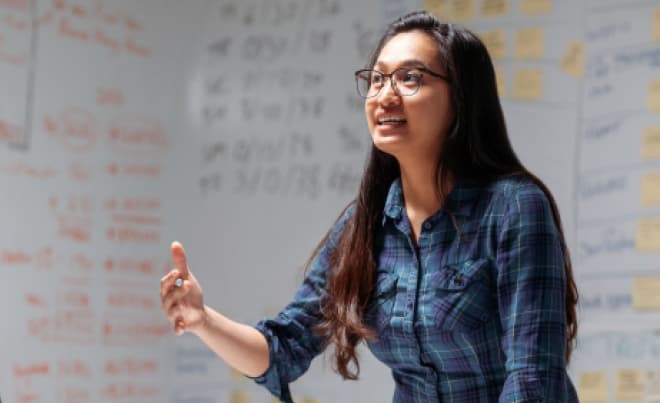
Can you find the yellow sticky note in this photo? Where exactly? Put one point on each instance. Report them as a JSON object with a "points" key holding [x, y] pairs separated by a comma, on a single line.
{"points": [[535, 7], [495, 8], [646, 293], [308, 399], [462, 10], [592, 387], [654, 96], [656, 25], [501, 82], [239, 396], [573, 60], [495, 42], [439, 8], [651, 143], [648, 235], [650, 189], [528, 84], [629, 385], [529, 43]]}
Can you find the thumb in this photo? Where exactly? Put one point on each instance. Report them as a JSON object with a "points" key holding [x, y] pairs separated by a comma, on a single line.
{"points": [[179, 258]]}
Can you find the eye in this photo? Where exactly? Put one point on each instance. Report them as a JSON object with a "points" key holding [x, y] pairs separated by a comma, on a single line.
{"points": [[410, 77], [376, 79]]}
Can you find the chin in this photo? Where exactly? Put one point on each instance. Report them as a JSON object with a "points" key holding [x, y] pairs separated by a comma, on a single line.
{"points": [[388, 146]]}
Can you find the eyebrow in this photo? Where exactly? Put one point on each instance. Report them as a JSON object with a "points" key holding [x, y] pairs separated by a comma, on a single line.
{"points": [[407, 62]]}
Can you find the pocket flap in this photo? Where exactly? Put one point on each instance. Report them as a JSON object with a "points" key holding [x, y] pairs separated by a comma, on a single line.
{"points": [[385, 284], [458, 276]]}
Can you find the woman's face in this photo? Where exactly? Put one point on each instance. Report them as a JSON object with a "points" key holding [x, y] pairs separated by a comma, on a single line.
{"points": [[423, 119]]}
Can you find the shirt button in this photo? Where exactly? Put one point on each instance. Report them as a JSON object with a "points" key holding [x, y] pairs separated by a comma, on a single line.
{"points": [[427, 225], [458, 280]]}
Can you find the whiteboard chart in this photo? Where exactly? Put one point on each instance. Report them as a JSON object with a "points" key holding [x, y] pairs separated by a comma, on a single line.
{"points": [[234, 127], [88, 134]]}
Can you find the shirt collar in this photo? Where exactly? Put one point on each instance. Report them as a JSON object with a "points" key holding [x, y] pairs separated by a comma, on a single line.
{"points": [[461, 199], [394, 201]]}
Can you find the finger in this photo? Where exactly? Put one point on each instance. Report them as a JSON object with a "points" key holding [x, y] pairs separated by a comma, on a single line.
{"points": [[179, 258], [168, 281], [179, 327], [176, 317], [173, 313], [173, 297]]}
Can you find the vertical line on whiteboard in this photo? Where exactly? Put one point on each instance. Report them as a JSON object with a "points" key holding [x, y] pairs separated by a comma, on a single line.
{"points": [[29, 99], [578, 140], [300, 33]]}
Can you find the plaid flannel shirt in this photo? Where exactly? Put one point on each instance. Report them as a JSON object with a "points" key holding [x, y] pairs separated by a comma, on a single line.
{"points": [[474, 313]]}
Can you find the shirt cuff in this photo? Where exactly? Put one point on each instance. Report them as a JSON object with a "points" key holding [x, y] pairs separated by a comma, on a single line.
{"points": [[271, 378]]}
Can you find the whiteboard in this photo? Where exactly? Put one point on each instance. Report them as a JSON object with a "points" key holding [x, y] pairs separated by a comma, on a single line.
{"points": [[91, 147], [233, 127]]}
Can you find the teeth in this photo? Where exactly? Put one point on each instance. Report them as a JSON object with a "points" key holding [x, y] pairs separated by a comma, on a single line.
{"points": [[394, 120]]}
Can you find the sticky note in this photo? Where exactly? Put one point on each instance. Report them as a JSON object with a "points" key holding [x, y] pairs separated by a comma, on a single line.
{"points": [[501, 83], [653, 385], [535, 7], [308, 399], [648, 235], [654, 96], [495, 8], [462, 10], [239, 396], [646, 292], [629, 385], [529, 43], [528, 84], [439, 8], [650, 189], [573, 60], [592, 387], [656, 25], [651, 143], [495, 42]]}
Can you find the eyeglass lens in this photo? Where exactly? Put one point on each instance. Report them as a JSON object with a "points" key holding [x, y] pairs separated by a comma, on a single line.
{"points": [[405, 82]]}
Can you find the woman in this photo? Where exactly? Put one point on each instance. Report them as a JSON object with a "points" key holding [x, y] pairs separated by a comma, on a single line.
{"points": [[451, 262]]}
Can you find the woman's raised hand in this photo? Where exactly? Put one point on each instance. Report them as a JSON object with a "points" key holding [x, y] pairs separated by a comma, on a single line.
{"points": [[182, 303]]}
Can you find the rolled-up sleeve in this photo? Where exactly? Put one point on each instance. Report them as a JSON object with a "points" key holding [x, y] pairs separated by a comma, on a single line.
{"points": [[292, 341], [531, 287]]}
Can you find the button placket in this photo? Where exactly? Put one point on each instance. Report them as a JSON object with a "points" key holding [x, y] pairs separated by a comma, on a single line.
{"points": [[410, 296]]}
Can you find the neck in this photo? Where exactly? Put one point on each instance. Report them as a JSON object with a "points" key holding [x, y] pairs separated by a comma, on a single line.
{"points": [[420, 188]]}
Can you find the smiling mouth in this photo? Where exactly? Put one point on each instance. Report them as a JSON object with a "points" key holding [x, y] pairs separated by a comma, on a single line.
{"points": [[391, 121]]}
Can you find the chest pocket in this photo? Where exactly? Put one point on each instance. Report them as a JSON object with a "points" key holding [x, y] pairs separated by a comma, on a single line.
{"points": [[460, 296], [379, 309]]}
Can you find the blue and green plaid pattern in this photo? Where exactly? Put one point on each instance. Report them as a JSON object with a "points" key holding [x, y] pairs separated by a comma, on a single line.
{"points": [[474, 313]]}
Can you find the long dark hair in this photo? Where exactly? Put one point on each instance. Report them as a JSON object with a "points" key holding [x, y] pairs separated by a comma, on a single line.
{"points": [[476, 147]]}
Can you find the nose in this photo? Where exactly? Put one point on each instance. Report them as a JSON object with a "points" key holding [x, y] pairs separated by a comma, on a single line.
{"points": [[388, 94]]}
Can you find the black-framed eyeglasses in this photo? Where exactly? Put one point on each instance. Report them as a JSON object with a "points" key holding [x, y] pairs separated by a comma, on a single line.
{"points": [[405, 81]]}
